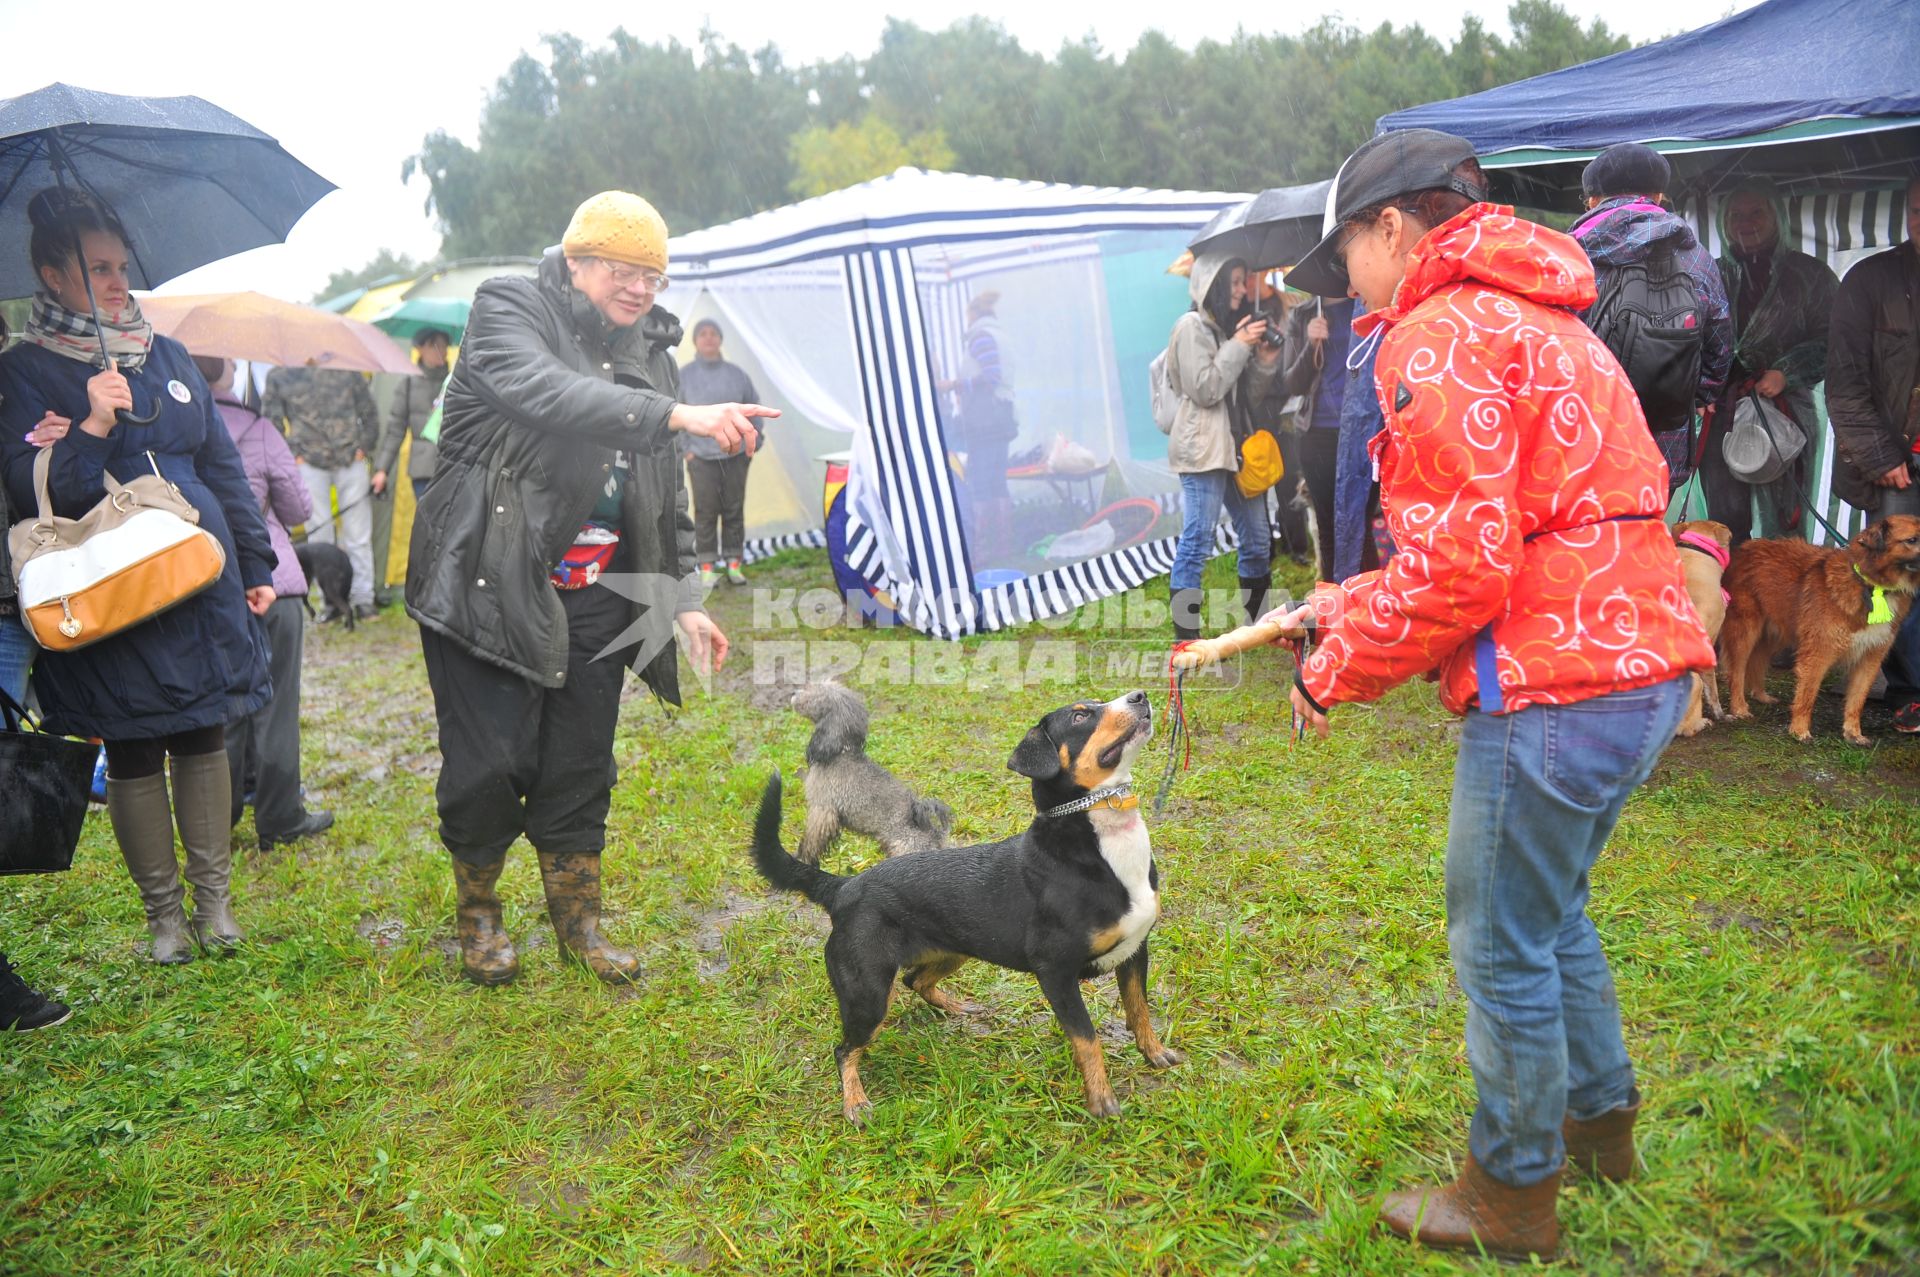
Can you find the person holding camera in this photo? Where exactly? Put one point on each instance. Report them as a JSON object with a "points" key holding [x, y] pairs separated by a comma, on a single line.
{"points": [[1220, 359]]}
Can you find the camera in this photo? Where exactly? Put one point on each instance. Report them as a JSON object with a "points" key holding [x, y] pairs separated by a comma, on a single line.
{"points": [[1272, 338]]}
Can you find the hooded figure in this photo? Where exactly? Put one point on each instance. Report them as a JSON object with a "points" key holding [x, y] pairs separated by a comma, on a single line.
{"points": [[1213, 367], [1782, 302], [1625, 225]]}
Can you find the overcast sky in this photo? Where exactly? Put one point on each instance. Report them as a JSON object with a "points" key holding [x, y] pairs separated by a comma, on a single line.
{"points": [[321, 79]]}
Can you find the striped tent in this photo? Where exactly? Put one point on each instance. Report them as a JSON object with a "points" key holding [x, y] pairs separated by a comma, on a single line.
{"points": [[850, 312]]}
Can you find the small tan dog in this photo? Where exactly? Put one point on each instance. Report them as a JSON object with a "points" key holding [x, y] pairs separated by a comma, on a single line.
{"points": [[1833, 606], [1708, 546]]}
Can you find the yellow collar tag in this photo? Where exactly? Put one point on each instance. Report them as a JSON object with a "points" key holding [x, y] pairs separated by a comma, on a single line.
{"points": [[1879, 612]]}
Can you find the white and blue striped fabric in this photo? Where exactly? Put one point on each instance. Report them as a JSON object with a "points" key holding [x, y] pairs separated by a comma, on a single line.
{"points": [[904, 529]]}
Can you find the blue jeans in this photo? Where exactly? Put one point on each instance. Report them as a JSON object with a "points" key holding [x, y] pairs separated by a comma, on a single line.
{"points": [[1536, 794], [1205, 493], [16, 654]]}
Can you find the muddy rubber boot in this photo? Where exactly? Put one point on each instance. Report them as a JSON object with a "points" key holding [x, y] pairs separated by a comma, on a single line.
{"points": [[486, 953], [202, 795], [1253, 595], [1478, 1212], [1603, 1146], [143, 826], [572, 880], [1186, 605]]}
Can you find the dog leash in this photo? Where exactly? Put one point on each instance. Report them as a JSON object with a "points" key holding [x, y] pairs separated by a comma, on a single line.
{"points": [[1190, 654], [1180, 735]]}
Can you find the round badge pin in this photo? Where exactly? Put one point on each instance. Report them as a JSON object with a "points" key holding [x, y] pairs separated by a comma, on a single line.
{"points": [[178, 389]]}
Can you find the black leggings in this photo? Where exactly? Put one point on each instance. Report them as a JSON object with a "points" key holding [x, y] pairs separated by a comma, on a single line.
{"points": [[132, 759], [1319, 463]]}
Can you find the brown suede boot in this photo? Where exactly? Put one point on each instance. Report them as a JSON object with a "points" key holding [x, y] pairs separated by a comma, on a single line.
{"points": [[1478, 1212], [572, 880], [1603, 1146], [486, 953]]}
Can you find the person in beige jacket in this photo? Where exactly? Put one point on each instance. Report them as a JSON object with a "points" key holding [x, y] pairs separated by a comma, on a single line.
{"points": [[1218, 365]]}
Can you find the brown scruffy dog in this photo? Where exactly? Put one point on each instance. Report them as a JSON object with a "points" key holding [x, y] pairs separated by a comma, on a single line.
{"points": [[1705, 561], [1821, 602], [846, 789]]}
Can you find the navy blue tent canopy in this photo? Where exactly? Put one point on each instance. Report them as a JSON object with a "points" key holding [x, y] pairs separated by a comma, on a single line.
{"points": [[1802, 91]]}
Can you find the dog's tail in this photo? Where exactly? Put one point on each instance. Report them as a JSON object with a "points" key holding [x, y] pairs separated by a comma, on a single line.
{"points": [[780, 867]]}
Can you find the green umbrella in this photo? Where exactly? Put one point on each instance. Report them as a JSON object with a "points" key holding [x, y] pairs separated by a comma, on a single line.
{"points": [[405, 318]]}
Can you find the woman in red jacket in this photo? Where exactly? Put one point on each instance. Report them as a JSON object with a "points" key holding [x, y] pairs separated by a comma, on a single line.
{"points": [[1536, 581]]}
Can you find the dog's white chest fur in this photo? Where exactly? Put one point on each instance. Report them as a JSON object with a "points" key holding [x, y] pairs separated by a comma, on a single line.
{"points": [[1866, 640], [1127, 851]]}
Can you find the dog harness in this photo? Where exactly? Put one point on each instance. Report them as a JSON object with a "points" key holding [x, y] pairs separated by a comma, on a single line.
{"points": [[1118, 797], [1705, 545], [1879, 611], [1712, 549]]}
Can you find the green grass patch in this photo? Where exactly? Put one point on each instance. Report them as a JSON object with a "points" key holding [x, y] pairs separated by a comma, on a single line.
{"points": [[336, 1100]]}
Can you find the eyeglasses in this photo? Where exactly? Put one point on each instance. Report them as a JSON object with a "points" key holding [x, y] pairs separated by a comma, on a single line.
{"points": [[625, 275], [1341, 245]]}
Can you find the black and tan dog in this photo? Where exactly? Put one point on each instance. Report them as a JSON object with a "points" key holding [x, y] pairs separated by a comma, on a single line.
{"points": [[1069, 899]]}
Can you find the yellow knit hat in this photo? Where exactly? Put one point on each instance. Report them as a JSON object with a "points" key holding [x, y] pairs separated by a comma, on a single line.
{"points": [[619, 226]]}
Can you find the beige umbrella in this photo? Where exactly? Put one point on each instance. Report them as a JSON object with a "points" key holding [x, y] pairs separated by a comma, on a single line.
{"points": [[266, 330]]}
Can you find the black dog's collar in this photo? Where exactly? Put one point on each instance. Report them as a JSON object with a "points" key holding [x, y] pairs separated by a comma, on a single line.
{"points": [[1118, 797]]}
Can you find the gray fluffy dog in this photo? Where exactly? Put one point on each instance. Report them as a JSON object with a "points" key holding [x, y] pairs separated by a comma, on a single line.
{"points": [[847, 789]]}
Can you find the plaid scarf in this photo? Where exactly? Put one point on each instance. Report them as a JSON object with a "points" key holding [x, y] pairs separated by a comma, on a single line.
{"points": [[70, 333]]}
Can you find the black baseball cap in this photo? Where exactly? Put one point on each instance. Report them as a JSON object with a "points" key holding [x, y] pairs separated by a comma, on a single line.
{"points": [[1390, 165]]}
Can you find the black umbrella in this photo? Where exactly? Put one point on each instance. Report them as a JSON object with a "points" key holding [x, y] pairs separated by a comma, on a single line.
{"points": [[190, 183], [1274, 228]]}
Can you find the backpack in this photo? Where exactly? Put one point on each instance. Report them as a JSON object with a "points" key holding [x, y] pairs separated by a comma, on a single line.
{"points": [[1161, 395], [1648, 314]]}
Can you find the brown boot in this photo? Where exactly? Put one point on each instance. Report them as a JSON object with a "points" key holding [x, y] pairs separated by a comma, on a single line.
{"points": [[1603, 1146], [486, 953], [143, 826], [572, 880], [202, 789], [1478, 1212]]}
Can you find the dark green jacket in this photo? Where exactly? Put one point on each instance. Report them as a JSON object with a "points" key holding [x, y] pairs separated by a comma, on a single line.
{"points": [[545, 392]]}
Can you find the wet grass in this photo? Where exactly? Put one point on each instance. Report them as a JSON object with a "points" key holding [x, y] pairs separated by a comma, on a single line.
{"points": [[336, 1100]]}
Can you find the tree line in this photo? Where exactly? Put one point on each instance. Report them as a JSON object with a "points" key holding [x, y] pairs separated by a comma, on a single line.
{"points": [[718, 132]]}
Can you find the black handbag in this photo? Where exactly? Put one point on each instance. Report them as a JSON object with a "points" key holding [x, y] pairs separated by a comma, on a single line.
{"points": [[44, 783]]}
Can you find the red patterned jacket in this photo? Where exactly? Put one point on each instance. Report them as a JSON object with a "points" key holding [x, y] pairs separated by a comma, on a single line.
{"points": [[1521, 486]]}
